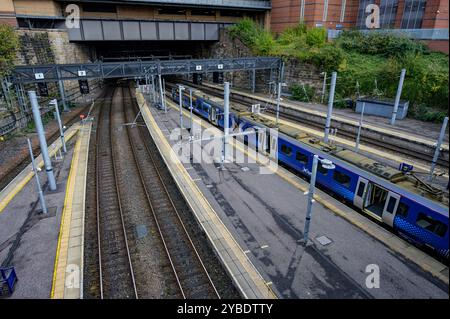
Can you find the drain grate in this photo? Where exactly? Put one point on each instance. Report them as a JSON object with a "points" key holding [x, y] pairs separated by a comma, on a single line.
{"points": [[324, 240]]}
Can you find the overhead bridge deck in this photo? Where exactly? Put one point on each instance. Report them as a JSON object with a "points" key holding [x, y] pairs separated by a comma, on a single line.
{"points": [[110, 70]]}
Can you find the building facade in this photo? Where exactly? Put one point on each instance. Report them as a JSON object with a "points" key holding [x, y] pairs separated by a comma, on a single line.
{"points": [[422, 19]]}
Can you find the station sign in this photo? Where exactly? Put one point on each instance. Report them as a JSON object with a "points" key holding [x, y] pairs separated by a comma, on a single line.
{"points": [[405, 168], [84, 86]]}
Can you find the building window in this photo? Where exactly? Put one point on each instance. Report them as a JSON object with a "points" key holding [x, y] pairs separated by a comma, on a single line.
{"points": [[362, 15], [202, 12], [172, 11], [342, 178], [302, 158], [227, 13], [286, 150], [413, 14], [388, 12], [431, 224], [92, 7]]}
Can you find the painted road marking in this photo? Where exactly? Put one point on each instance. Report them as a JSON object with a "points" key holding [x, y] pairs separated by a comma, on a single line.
{"points": [[264, 246]]}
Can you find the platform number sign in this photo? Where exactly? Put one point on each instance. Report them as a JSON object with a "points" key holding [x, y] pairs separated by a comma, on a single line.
{"points": [[82, 73], [405, 168], [198, 67], [84, 86], [39, 76], [42, 89], [220, 66]]}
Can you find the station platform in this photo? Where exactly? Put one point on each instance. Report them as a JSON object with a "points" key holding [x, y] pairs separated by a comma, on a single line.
{"points": [[265, 215], [245, 276], [29, 240]]}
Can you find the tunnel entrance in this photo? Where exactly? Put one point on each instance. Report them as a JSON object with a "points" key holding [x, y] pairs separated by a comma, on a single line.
{"points": [[115, 51]]}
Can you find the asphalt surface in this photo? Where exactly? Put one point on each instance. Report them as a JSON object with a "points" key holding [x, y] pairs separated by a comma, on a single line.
{"points": [[28, 240], [266, 215]]}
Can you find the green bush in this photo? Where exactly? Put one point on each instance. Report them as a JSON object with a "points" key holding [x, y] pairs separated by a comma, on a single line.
{"points": [[379, 43], [304, 93], [9, 43], [316, 37], [373, 60], [328, 57]]}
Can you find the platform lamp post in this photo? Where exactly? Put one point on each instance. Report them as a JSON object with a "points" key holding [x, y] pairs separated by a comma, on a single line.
{"points": [[180, 94], [438, 148], [360, 128], [42, 141], [38, 183], [324, 86], [397, 97], [327, 164], [280, 85], [191, 133], [330, 106], [61, 129]]}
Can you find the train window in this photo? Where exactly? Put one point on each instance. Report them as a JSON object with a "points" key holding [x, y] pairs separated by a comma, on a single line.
{"points": [[286, 150], [391, 205], [431, 224], [342, 178], [402, 210], [361, 189], [302, 158], [322, 170]]}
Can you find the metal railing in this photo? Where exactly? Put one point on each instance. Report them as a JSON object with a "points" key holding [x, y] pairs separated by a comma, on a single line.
{"points": [[419, 34], [104, 70], [255, 4]]}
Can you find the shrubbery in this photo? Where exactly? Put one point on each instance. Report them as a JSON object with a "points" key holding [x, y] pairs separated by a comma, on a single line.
{"points": [[373, 60], [9, 44]]}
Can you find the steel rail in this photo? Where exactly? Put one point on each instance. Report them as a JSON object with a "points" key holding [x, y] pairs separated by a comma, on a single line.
{"points": [[175, 210], [111, 145]]}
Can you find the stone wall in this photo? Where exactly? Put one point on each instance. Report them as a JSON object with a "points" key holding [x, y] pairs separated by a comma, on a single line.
{"points": [[48, 47], [295, 72]]}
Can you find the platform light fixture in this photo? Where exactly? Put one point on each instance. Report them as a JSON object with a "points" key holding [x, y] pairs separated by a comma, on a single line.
{"points": [[280, 85], [327, 164]]}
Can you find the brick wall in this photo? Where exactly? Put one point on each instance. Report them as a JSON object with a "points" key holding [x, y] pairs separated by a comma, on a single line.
{"points": [[7, 15]]}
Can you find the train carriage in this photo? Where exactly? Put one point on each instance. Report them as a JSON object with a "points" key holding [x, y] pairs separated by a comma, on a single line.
{"points": [[415, 210]]}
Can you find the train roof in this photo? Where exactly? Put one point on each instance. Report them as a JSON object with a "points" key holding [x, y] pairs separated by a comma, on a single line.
{"points": [[407, 181]]}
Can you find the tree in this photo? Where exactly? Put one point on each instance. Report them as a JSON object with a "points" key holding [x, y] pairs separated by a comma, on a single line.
{"points": [[9, 43]]}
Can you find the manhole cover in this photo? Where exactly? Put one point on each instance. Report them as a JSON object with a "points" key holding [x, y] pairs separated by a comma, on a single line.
{"points": [[324, 240]]}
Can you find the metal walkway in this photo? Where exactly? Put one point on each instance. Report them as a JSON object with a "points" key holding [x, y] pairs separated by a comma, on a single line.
{"points": [[109, 70]]}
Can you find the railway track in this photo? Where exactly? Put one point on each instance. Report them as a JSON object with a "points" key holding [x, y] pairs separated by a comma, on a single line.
{"points": [[395, 148], [188, 269], [116, 276]]}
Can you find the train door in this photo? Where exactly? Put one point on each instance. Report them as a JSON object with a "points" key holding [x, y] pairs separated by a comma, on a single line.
{"points": [[361, 191], [390, 207], [212, 115]]}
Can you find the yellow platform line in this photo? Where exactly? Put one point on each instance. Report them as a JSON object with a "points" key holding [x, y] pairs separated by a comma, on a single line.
{"points": [[250, 269], [59, 269], [395, 243], [19, 182]]}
